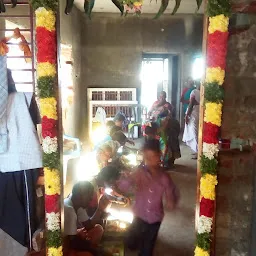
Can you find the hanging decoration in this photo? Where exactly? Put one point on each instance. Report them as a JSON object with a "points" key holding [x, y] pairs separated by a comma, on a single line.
{"points": [[2, 5], [23, 44], [128, 6], [218, 12], [132, 6], [46, 42]]}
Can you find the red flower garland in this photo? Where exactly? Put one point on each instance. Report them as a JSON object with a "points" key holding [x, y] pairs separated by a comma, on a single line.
{"points": [[50, 133], [49, 127], [210, 134], [52, 203], [206, 207], [217, 49], [46, 45]]}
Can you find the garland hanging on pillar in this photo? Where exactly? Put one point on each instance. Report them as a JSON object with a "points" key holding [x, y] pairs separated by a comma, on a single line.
{"points": [[46, 42], [218, 12]]}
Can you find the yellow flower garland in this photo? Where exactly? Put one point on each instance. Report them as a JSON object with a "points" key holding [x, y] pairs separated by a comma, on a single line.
{"points": [[207, 186], [45, 18], [215, 75], [55, 251], [52, 180], [219, 22], [213, 113], [46, 69], [137, 4], [48, 107], [201, 252]]}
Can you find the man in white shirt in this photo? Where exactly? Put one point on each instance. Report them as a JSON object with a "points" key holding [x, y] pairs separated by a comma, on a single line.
{"points": [[82, 233]]}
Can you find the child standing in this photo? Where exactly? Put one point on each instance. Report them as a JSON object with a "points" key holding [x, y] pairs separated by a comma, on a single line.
{"points": [[151, 184], [151, 134]]}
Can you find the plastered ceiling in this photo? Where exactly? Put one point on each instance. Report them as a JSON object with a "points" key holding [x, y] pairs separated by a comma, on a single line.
{"points": [[187, 6]]}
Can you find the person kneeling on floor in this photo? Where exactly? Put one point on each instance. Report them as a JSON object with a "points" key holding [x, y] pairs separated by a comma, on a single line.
{"points": [[82, 234]]}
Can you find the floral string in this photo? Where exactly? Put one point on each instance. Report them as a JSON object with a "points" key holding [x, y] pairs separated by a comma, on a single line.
{"points": [[46, 84], [218, 12]]}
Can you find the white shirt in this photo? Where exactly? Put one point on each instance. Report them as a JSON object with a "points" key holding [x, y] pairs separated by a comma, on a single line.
{"points": [[73, 220], [24, 150]]}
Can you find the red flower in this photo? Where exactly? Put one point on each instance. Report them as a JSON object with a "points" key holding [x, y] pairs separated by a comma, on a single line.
{"points": [[48, 123], [206, 207], [49, 127], [217, 49], [210, 133], [52, 203], [46, 45], [51, 134]]}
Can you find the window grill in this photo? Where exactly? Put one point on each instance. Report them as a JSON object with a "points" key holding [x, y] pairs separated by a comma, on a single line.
{"points": [[19, 17]]}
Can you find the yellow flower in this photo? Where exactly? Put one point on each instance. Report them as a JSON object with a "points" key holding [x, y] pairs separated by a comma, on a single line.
{"points": [[215, 75], [213, 113], [219, 22], [45, 18], [48, 107], [52, 181], [201, 252], [46, 69], [207, 186], [55, 251], [137, 4]]}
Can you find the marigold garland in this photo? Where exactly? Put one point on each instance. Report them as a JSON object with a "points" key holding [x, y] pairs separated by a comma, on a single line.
{"points": [[55, 251], [48, 107], [215, 75], [46, 69], [201, 252], [218, 23], [52, 177], [213, 113], [207, 186], [46, 41], [45, 18]]}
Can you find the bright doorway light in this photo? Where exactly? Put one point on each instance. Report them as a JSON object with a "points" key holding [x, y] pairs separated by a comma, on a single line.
{"points": [[152, 74], [198, 68]]}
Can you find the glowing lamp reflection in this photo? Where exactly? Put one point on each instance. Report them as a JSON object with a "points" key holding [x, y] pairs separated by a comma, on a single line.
{"points": [[120, 215], [98, 135], [87, 167]]}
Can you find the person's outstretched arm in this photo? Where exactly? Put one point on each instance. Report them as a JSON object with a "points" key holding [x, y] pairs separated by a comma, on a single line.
{"points": [[96, 218]]}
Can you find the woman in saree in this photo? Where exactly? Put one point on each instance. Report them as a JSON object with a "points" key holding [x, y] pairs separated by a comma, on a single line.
{"points": [[160, 106], [190, 136], [185, 96], [160, 112]]}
